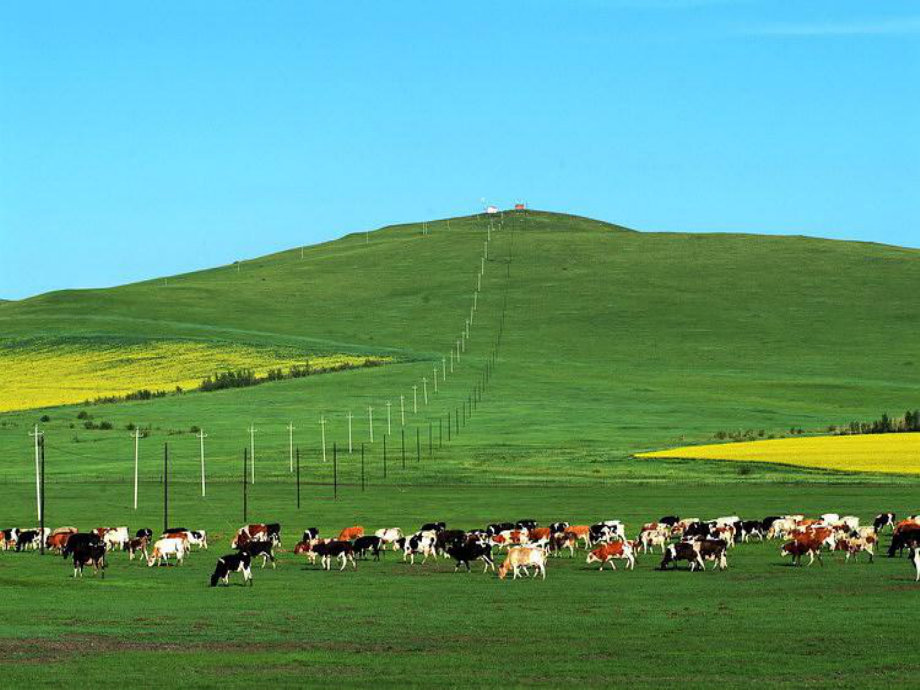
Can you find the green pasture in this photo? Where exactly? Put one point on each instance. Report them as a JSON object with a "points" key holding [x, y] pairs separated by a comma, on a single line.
{"points": [[761, 623]]}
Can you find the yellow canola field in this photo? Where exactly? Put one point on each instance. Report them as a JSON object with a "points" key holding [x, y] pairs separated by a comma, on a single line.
{"points": [[45, 374], [888, 453]]}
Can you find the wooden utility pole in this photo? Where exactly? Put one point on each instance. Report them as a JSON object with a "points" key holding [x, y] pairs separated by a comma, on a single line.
{"points": [[137, 438], [414, 399], [370, 421], [350, 417], [38, 488], [322, 426], [389, 430], [252, 453], [165, 487], [402, 410], [291, 443], [201, 437]]}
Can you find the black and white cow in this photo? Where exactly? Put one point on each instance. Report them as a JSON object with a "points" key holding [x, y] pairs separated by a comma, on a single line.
{"points": [[433, 527], [344, 551], [449, 537], [260, 548], [470, 551], [558, 527], [526, 524], [497, 528], [883, 520], [752, 528], [310, 534], [142, 533], [232, 563], [28, 539]]}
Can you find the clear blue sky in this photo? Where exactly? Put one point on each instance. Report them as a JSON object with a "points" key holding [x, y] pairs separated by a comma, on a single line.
{"points": [[146, 139]]}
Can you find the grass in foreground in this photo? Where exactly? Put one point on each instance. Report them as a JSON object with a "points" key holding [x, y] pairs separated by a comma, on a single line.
{"points": [[762, 623], [884, 453]]}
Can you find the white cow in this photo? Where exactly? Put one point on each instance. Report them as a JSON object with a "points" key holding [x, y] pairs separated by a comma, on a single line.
{"points": [[116, 538], [524, 557], [389, 535], [830, 518], [199, 538], [164, 548], [917, 562]]}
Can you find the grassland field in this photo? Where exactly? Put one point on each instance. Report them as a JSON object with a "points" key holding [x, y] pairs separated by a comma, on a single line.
{"points": [[614, 343]]}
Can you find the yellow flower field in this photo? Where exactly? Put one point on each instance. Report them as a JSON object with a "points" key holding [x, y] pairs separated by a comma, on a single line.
{"points": [[888, 453], [40, 373]]}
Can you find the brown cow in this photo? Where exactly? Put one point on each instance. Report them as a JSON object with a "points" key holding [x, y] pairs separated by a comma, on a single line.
{"points": [[350, 533], [802, 546], [608, 552]]}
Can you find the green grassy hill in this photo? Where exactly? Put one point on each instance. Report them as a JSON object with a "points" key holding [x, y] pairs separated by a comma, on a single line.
{"points": [[615, 341]]}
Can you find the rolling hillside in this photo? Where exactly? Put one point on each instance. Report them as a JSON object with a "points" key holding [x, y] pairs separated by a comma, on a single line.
{"points": [[615, 342]]}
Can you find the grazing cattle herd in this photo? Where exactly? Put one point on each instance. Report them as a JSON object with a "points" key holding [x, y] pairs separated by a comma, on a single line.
{"points": [[527, 546]]}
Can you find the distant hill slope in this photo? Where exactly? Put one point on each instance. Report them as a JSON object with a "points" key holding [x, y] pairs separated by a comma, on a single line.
{"points": [[615, 340]]}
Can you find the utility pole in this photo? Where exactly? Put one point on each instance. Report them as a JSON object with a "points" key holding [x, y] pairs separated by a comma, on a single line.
{"points": [[414, 399], [165, 487], [467, 328], [201, 437], [41, 504], [291, 443], [252, 453], [425, 390], [370, 422], [137, 438], [322, 425], [458, 351], [402, 409], [444, 368], [389, 431], [350, 417], [38, 485], [435, 379], [451, 360]]}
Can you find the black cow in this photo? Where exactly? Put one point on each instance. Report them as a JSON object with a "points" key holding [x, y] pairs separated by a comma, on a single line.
{"points": [[81, 539], [342, 550], [260, 548], [471, 551], [26, 538], [904, 539], [232, 563], [448, 538], [526, 524], [142, 533], [433, 527], [364, 544], [93, 555], [558, 527], [669, 520], [310, 534], [883, 520]]}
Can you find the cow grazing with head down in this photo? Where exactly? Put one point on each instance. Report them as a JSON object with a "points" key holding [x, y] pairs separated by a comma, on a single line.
{"points": [[883, 520], [232, 563], [905, 537]]}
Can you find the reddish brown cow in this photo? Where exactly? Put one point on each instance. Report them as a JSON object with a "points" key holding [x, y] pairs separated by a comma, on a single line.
{"points": [[350, 533]]}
